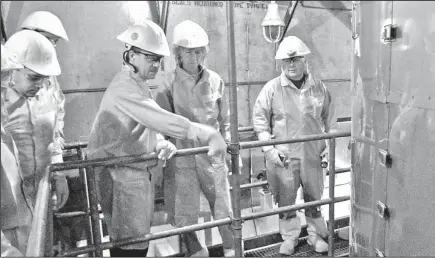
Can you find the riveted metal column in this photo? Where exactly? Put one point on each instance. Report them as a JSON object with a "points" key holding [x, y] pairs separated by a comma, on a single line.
{"points": [[331, 196], [95, 216], [234, 145]]}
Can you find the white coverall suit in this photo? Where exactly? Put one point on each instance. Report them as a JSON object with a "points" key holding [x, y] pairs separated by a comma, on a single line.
{"points": [[36, 124], [127, 124], [16, 211], [203, 102], [285, 111]]}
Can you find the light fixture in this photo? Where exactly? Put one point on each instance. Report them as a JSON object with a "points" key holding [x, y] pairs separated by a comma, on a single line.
{"points": [[273, 25]]}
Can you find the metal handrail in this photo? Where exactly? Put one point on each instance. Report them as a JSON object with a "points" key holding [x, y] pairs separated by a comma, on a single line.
{"points": [[37, 237], [71, 214], [184, 152], [90, 164], [196, 227]]}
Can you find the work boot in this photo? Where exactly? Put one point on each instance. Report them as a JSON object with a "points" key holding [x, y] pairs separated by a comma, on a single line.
{"points": [[290, 230], [316, 232], [344, 233], [318, 243], [229, 252]]}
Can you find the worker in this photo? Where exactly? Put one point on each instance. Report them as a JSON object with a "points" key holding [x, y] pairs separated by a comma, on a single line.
{"points": [[197, 93], [39, 57], [130, 122], [293, 105], [16, 212], [50, 100]]}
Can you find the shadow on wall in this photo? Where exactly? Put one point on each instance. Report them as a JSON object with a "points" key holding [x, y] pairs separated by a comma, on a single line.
{"points": [[98, 74]]}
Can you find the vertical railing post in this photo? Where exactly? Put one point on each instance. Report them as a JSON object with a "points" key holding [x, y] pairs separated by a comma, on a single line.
{"points": [[95, 216], [234, 145], [86, 204], [332, 196], [49, 227]]}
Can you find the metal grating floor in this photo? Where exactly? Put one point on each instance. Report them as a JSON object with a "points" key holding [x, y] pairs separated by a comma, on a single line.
{"points": [[341, 249]]}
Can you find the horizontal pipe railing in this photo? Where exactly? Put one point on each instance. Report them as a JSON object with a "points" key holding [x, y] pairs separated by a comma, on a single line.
{"points": [[183, 152], [196, 227], [152, 87], [242, 129], [314, 137], [160, 199]]}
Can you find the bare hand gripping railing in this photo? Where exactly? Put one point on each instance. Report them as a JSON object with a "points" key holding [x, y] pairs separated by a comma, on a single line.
{"points": [[39, 227]]}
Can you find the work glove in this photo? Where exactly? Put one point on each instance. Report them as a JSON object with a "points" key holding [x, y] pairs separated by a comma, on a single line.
{"points": [[324, 156], [62, 190], [273, 155], [208, 135], [165, 150]]}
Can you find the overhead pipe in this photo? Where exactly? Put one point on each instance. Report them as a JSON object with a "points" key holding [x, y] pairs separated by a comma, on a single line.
{"points": [[288, 18]]}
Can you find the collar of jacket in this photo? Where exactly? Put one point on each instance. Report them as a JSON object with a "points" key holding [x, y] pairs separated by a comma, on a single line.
{"points": [[309, 82], [182, 75]]}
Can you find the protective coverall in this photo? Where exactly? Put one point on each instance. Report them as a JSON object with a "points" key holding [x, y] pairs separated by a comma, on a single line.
{"points": [[36, 125], [285, 111], [16, 210], [203, 102], [127, 124]]}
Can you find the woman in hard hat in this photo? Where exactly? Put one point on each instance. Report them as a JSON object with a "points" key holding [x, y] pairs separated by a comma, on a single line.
{"points": [[295, 104], [197, 93], [129, 122], [16, 206], [39, 58]]}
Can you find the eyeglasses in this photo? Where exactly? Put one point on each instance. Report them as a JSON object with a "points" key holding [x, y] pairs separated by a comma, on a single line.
{"points": [[151, 58], [36, 78], [293, 59]]}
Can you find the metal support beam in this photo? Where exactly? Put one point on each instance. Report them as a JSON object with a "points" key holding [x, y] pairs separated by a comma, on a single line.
{"points": [[331, 196], [234, 145], [95, 216], [288, 18]]}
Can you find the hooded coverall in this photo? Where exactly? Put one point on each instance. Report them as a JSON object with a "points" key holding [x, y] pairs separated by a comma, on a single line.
{"points": [[16, 211], [126, 124], [203, 102], [285, 111], [36, 124]]}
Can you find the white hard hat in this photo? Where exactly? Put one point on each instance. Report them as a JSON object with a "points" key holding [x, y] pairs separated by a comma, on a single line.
{"points": [[147, 36], [189, 34], [45, 21], [9, 61], [291, 46], [34, 51]]}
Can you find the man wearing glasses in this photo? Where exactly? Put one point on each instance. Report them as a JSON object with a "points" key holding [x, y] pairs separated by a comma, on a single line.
{"points": [[295, 104], [129, 122]]}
